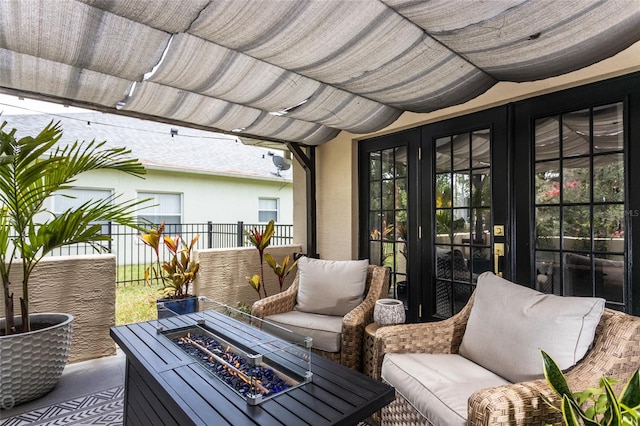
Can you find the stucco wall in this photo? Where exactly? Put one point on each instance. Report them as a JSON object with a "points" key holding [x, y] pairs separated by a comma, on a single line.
{"points": [[84, 286], [205, 198], [337, 189], [223, 273]]}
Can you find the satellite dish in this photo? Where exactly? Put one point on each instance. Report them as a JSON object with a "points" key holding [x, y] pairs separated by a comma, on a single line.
{"points": [[280, 163]]}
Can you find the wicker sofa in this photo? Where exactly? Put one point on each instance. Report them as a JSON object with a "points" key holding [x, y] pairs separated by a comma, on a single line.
{"points": [[615, 352], [350, 328]]}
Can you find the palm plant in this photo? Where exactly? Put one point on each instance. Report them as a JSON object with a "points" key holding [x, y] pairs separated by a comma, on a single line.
{"points": [[32, 169], [593, 406]]}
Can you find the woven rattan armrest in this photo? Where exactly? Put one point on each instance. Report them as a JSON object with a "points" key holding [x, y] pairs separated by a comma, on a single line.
{"points": [[357, 319], [442, 337], [277, 303], [615, 354]]}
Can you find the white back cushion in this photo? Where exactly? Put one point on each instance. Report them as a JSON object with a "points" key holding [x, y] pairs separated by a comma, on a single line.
{"points": [[509, 324], [330, 287]]}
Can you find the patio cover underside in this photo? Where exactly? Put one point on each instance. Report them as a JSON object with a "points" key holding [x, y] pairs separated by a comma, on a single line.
{"points": [[296, 71]]}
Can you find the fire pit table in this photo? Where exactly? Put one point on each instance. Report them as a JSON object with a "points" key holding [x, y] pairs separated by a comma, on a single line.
{"points": [[220, 366]]}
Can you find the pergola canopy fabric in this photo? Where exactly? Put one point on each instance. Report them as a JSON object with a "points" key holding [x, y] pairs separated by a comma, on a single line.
{"points": [[296, 71]]}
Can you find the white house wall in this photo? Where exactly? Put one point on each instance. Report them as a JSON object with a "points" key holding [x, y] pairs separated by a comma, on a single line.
{"points": [[218, 199]]}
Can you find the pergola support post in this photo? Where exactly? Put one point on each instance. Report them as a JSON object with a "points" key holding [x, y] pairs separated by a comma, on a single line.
{"points": [[308, 162]]}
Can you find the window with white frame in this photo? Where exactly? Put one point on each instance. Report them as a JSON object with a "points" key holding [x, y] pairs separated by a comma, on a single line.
{"points": [[165, 207], [75, 197], [268, 209]]}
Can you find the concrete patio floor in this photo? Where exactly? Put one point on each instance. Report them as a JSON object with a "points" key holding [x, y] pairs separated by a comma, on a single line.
{"points": [[78, 379]]}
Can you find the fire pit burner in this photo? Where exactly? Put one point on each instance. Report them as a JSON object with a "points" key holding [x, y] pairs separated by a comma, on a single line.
{"points": [[232, 368], [254, 376]]}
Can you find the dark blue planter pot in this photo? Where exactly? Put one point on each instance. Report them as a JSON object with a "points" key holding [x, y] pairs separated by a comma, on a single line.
{"points": [[173, 307]]}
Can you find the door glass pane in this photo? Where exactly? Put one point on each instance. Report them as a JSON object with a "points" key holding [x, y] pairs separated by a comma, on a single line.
{"points": [[578, 274], [547, 272], [375, 167], [443, 154], [480, 147], [607, 180], [609, 276], [547, 146], [461, 151], [589, 204], [481, 188], [608, 133], [608, 227], [462, 217], [576, 228], [547, 182], [401, 162], [388, 216], [575, 180], [462, 189], [547, 227], [575, 133]]}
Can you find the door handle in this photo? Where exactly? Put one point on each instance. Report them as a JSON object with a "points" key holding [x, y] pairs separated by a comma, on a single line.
{"points": [[498, 258]]}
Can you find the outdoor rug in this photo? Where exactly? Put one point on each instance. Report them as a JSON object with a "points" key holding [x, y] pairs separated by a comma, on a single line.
{"points": [[100, 408]]}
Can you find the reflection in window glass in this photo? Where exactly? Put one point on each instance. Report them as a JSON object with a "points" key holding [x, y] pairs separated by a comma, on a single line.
{"points": [[462, 216], [608, 177], [547, 182], [579, 167], [575, 133], [388, 218]]}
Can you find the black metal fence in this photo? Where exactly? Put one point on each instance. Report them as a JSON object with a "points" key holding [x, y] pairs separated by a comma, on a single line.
{"points": [[132, 256]]}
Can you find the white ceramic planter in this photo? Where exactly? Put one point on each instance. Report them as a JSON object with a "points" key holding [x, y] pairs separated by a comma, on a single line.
{"points": [[388, 312], [31, 363]]}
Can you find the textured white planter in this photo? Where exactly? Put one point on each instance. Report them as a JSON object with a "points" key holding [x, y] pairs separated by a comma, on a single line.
{"points": [[31, 363], [388, 312]]}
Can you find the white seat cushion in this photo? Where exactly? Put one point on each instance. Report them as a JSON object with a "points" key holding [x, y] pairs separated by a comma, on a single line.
{"points": [[437, 385], [509, 324], [326, 330]]}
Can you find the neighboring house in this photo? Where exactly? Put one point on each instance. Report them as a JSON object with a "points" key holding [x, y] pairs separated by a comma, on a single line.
{"points": [[194, 176]]}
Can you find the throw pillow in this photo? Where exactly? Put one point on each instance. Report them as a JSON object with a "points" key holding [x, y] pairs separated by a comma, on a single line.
{"points": [[330, 287], [509, 324]]}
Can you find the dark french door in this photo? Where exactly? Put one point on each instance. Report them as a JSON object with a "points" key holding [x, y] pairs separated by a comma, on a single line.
{"points": [[431, 205], [465, 208], [537, 191]]}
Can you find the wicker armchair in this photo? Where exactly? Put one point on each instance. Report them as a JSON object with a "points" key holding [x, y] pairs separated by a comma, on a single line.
{"points": [[615, 353], [353, 323]]}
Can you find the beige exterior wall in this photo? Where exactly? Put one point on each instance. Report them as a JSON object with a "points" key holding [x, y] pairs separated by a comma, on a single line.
{"points": [[223, 273], [83, 286], [337, 180]]}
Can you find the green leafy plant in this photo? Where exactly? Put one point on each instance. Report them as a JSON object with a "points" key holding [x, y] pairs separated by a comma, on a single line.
{"points": [[32, 169], [281, 271], [260, 240], [173, 275], [594, 406]]}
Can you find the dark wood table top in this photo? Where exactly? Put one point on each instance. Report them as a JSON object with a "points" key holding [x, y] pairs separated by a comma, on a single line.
{"points": [[181, 388]]}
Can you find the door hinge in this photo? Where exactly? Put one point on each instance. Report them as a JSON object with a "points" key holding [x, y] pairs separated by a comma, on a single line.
{"points": [[420, 310]]}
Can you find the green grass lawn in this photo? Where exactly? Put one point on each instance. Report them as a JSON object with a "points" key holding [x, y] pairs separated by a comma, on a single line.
{"points": [[135, 303]]}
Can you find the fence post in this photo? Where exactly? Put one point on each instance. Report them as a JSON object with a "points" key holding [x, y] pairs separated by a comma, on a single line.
{"points": [[209, 234], [110, 237], [240, 234]]}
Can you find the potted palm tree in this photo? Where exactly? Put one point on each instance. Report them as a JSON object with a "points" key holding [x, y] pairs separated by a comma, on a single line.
{"points": [[32, 169]]}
